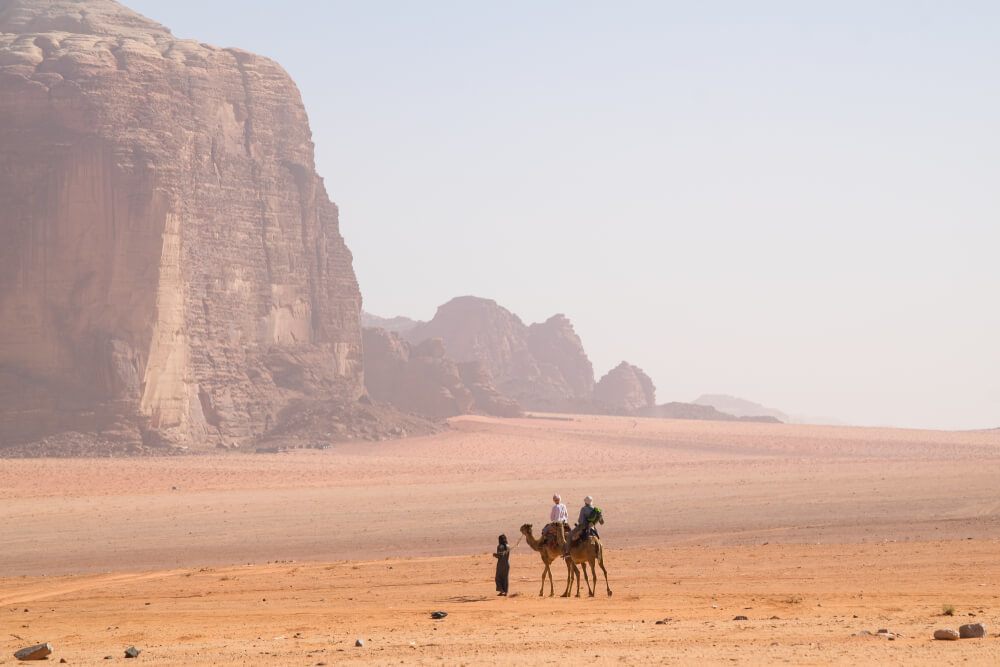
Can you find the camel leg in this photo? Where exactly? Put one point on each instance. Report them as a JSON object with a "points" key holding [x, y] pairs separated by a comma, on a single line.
{"points": [[548, 569], [586, 578], [600, 562], [591, 591], [541, 591], [569, 577]]}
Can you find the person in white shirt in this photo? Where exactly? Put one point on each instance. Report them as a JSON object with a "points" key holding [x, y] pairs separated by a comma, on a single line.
{"points": [[559, 514]]}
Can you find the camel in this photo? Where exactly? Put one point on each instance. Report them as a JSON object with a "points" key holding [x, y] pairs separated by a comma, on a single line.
{"points": [[550, 553], [582, 552]]}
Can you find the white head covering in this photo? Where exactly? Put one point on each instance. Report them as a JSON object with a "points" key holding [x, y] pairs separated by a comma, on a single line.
{"points": [[588, 500]]}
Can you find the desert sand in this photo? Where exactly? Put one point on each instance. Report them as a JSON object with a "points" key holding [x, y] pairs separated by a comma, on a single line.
{"points": [[813, 533]]}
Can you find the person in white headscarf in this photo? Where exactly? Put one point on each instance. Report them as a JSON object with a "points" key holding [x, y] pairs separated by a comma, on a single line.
{"points": [[559, 513], [586, 511], [583, 526]]}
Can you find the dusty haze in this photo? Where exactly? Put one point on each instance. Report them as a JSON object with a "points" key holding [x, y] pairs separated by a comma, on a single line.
{"points": [[792, 204]]}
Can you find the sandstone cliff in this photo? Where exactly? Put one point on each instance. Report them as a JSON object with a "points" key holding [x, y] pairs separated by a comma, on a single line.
{"points": [[171, 268], [626, 389], [542, 367], [421, 379]]}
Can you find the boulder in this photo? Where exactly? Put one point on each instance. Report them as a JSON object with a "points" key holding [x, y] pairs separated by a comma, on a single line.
{"points": [[946, 634], [972, 631], [37, 652], [132, 652]]}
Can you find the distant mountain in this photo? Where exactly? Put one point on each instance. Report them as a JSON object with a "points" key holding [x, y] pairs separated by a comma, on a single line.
{"points": [[626, 389], [740, 407], [542, 366], [394, 324], [704, 412]]}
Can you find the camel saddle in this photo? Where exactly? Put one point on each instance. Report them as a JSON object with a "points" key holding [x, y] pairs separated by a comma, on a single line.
{"points": [[550, 533]]}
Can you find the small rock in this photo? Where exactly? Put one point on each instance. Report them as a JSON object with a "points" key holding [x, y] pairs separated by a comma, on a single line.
{"points": [[439, 614], [883, 631], [972, 631], [360, 643], [109, 657], [946, 634], [132, 652], [62, 661], [664, 621], [37, 652], [741, 618]]}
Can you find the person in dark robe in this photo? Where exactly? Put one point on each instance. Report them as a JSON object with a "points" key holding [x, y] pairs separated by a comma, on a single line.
{"points": [[503, 565]]}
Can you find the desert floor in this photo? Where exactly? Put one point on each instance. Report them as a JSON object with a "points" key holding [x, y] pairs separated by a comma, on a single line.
{"points": [[813, 533]]}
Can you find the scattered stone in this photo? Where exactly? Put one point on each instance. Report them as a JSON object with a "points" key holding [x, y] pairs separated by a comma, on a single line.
{"points": [[775, 618], [972, 631], [664, 621], [62, 661], [132, 652], [109, 657], [37, 652], [883, 631], [360, 643], [439, 614], [946, 634], [741, 618]]}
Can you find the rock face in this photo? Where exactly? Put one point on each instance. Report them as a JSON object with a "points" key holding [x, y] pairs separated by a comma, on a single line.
{"points": [[560, 355], [542, 367], [421, 379], [626, 389], [417, 379], [171, 268]]}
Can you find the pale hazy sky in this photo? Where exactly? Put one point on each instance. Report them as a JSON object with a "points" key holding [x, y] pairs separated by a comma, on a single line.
{"points": [[793, 202]]}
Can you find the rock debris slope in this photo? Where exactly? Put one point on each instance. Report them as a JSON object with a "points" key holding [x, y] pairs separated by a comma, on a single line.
{"points": [[171, 268]]}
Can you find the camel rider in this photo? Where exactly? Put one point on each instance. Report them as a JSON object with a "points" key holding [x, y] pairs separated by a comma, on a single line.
{"points": [[559, 514], [583, 523]]}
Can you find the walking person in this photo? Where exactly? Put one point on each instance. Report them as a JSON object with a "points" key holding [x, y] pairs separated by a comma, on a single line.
{"points": [[503, 566]]}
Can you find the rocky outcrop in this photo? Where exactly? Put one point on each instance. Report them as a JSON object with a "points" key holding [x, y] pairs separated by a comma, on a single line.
{"points": [[486, 398], [626, 389], [704, 412], [542, 367], [421, 379], [397, 324], [739, 407], [171, 268], [559, 353]]}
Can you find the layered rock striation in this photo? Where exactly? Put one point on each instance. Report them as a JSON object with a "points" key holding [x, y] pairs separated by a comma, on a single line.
{"points": [[171, 267]]}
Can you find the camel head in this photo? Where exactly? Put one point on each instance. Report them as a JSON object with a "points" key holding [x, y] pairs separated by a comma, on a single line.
{"points": [[526, 529]]}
